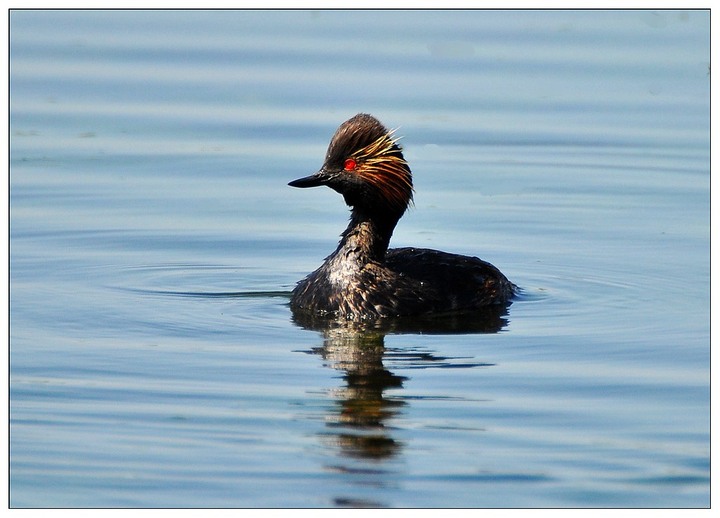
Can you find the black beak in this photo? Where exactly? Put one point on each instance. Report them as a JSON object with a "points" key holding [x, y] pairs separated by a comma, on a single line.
{"points": [[314, 180]]}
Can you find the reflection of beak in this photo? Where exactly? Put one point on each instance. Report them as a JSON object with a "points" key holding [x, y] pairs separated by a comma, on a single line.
{"points": [[314, 180]]}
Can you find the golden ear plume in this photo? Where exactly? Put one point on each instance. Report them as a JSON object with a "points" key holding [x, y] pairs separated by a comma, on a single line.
{"points": [[384, 167]]}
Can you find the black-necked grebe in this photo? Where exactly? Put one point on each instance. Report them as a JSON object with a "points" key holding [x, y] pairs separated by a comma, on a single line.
{"points": [[362, 279]]}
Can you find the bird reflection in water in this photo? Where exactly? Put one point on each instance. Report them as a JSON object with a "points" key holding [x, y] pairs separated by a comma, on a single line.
{"points": [[363, 407], [359, 423]]}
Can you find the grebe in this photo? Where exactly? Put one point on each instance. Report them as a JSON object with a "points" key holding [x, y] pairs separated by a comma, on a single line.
{"points": [[363, 279]]}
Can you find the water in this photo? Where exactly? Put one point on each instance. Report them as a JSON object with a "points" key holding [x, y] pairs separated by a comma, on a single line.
{"points": [[154, 242]]}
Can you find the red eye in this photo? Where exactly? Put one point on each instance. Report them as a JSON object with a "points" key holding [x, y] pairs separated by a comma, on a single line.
{"points": [[350, 164]]}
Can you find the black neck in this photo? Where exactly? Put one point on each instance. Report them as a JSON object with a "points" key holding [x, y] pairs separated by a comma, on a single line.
{"points": [[368, 237]]}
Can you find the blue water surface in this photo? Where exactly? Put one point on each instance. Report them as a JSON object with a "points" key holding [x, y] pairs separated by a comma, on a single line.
{"points": [[154, 361]]}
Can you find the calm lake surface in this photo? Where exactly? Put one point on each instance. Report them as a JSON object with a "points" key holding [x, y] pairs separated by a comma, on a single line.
{"points": [[154, 361]]}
